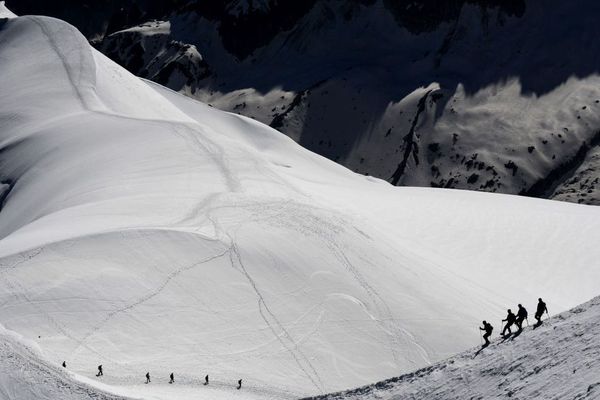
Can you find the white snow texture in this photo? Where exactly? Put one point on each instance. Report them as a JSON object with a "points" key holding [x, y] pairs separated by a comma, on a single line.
{"points": [[559, 360], [145, 231]]}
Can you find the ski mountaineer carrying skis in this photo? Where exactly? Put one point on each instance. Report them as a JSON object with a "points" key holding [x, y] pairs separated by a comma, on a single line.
{"points": [[541, 308], [487, 328], [510, 319], [521, 316]]}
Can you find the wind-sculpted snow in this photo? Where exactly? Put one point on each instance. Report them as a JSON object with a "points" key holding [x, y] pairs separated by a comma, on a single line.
{"points": [[558, 360], [145, 231]]}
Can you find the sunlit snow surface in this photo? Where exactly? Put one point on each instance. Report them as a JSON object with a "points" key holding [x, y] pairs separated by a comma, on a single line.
{"points": [[145, 231], [558, 360]]}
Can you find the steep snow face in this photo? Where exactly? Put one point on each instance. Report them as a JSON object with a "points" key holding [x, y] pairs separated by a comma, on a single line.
{"points": [[5, 12], [558, 360], [145, 231], [472, 95]]}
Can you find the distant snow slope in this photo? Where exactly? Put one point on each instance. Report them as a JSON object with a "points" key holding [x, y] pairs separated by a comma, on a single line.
{"points": [[145, 231], [559, 360]]}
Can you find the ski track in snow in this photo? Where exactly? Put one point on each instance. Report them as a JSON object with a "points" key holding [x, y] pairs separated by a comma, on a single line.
{"points": [[189, 135], [284, 337], [143, 299], [292, 346], [317, 227], [63, 58], [19, 291], [398, 335]]}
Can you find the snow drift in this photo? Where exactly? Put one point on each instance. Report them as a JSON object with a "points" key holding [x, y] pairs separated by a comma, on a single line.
{"points": [[145, 231]]}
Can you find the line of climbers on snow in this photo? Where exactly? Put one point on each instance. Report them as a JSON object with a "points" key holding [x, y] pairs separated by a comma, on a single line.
{"points": [[171, 376], [512, 319]]}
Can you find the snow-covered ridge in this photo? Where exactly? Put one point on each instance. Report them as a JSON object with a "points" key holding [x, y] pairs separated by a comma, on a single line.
{"points": [[558, 360], [5, 12], [145, 231]]}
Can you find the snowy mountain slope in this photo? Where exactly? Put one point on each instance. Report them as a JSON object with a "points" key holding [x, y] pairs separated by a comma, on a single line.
{"points": [[558, 360], [473, 94], [25, 376], [145, 231]]}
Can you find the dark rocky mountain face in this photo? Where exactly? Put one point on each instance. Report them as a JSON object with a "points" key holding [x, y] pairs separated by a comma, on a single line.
{"points": [[248, 28], [494, 95], [96, 18], [426, 16], [244, 26]]}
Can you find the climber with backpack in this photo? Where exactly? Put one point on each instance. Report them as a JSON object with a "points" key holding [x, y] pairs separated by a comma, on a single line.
{"points": [[541, 308], [521, 316], [487, 328], [510, 320]]}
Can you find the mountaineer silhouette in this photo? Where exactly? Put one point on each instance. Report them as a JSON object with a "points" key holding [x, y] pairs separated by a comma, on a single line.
{"points": [[147, 377], [239, 384], [100, 373], [172, 378], [206, 380], [487, 328], [64, 364], [521, 316], [541, 308], [510, 320]]}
